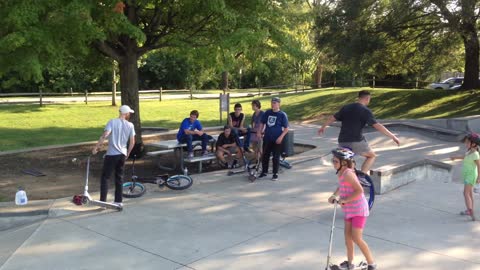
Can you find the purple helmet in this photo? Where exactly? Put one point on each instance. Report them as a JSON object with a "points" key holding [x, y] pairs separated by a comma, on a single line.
{"points": [[473, 137]]}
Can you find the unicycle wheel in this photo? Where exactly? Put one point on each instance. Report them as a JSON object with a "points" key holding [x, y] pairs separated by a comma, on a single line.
{"points": [[133, 189]]}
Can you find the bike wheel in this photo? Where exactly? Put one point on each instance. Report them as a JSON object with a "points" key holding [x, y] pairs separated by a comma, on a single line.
{"points": [[368, 186], [179, 182], [133, 189], [371, 192]]}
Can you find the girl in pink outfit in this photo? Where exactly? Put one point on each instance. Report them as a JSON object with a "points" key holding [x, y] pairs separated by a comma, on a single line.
{"points": [[354, 205]]}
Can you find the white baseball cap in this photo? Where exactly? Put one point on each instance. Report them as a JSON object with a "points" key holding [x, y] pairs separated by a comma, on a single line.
{"points": [[125, 109]]}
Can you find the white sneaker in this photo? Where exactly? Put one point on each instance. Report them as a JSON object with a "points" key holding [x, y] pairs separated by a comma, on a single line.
{"points": [[119, 204]]}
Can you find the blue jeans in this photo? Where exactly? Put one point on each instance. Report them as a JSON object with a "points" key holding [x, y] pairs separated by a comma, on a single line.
{"points": [[188, 139], [246, 137]]}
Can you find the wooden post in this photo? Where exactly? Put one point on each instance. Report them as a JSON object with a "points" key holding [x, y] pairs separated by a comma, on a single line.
{"points": [[86, 96], [373, 84], [334, 79], [41, 97], [416, 84], [191, 93], [71, 92], [160, 92], [303, 82], [114, 86], [220, 107]]}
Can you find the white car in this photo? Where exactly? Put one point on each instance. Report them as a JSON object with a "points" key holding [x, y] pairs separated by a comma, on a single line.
{"points": [[448, 84]]}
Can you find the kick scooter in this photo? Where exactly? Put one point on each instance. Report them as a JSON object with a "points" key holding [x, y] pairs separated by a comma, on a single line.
{"points": [[87, 199], [331, 266]]}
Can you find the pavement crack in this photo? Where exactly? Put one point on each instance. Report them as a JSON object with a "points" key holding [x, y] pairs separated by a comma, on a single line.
{"points": [[23, 243], [244, 241], [128, 244]]}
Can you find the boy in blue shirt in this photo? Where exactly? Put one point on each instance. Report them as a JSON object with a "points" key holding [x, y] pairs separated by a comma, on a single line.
{"points": [[191, 130], [275, 123]]}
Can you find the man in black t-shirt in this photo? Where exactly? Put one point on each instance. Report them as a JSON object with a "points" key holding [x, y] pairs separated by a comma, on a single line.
{"points": [[227, 144], [354, 117], [236, 120]]}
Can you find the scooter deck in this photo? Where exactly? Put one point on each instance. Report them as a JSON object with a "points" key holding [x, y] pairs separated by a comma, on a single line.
{"points": [[107, 205], [357, 267], [238, 171]]}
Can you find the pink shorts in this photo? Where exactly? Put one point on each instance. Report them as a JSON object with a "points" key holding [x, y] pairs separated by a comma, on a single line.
{"points": [[357, 222]]}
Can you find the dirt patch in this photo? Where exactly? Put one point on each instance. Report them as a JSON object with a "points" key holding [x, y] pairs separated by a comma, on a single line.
{"points": [[65, 176]]}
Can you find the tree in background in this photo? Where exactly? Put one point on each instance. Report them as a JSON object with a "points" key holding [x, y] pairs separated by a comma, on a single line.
{"points": [[400, 37], [39, 40]]}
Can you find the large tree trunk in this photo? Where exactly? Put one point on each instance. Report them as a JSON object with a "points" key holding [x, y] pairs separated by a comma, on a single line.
{"points": [[129, 86], [224, 81], [318, 75], [472, 48]]}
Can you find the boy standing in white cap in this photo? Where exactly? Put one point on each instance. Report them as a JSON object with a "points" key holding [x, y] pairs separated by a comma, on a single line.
{"points": [[120, 132]]}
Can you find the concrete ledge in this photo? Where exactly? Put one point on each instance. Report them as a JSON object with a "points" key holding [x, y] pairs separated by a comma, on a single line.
{"points": [[436, 132], [387, 179], [433, 131]]}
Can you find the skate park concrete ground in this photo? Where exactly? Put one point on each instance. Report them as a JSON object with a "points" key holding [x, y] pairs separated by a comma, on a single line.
{"points": [[226, 222]]}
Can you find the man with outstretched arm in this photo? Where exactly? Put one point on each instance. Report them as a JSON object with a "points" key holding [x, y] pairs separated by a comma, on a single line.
{"points": [[354, 117]]}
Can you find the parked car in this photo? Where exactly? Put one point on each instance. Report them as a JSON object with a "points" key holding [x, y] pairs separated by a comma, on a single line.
{"points": [[448, 84]]}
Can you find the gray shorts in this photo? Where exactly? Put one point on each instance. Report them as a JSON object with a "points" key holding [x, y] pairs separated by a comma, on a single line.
{"points": [[358, 148]]}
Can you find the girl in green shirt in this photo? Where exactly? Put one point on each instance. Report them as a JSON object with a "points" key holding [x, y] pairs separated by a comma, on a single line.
{"points": [[470, 171]]}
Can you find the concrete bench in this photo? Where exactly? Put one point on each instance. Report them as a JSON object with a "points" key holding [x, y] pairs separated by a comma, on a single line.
{"points": [[389, 179]]}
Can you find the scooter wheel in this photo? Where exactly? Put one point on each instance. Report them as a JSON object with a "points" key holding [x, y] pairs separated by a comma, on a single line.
{"points": [[230, 173], [252, 178], [85, 200]]}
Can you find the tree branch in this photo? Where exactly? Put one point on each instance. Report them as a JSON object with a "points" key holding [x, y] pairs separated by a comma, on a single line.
{"points": [[107, 50]]}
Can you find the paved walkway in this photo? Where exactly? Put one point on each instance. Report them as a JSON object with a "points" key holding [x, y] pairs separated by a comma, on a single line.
{"points": [[229, 223]]}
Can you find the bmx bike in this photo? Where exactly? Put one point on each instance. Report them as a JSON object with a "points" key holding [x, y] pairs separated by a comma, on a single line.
{"points": [[135, 187]]}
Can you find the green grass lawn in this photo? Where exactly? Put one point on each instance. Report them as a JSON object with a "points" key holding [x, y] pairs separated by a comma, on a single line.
{"points": [[24, 126]]}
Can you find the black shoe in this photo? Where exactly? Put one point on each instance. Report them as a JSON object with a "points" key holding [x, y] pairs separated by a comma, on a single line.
{"points": [[224, 165], [262, 175], [234, 164], [346, 266], [275, 177]]}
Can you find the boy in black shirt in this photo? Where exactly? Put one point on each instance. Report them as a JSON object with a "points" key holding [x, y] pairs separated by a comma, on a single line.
{"points": [[226, 144], [235, 121]]}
